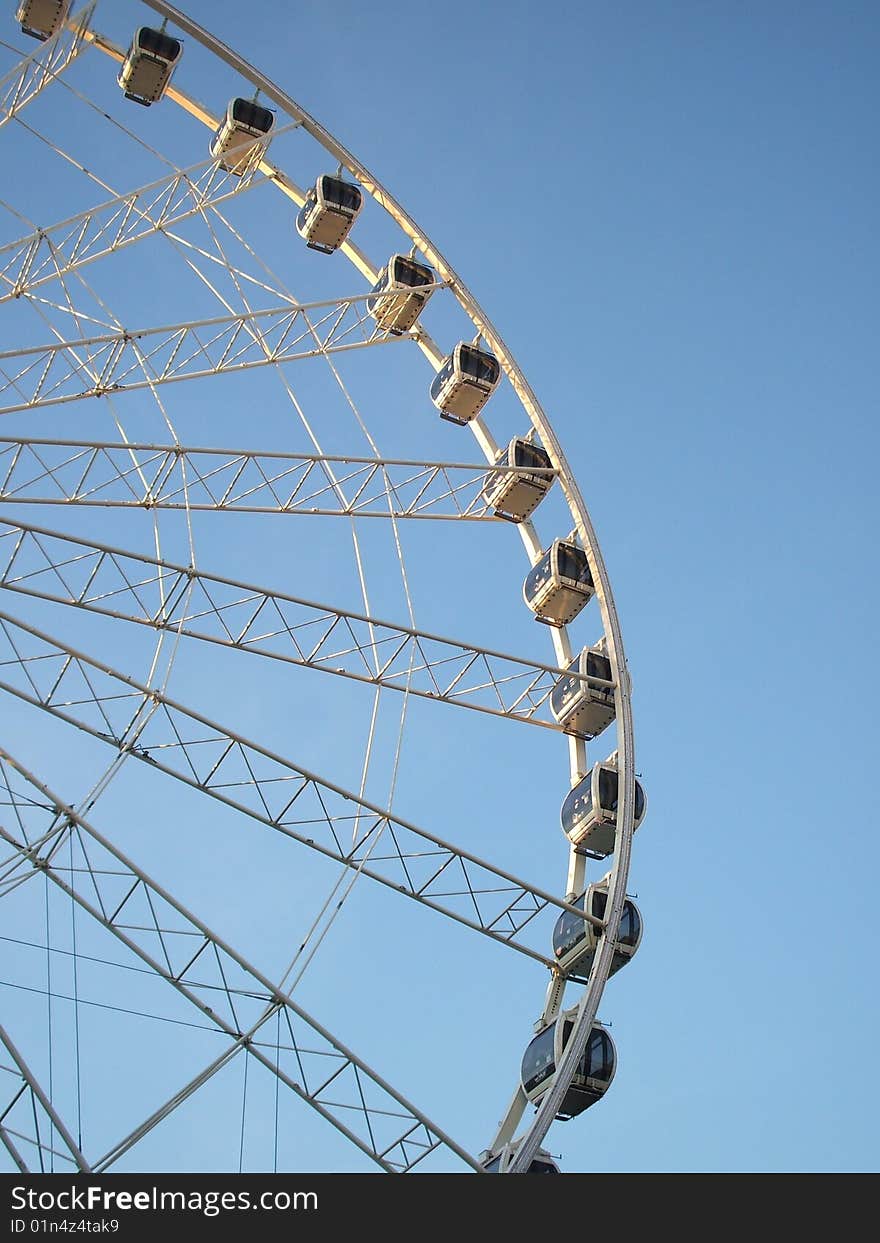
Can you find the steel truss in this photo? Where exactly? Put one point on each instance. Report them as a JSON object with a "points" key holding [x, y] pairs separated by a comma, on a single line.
{"points": [[125, 361], [225, 987], [278, 793], [39, 70], [159, 594], [179, 477], [52, 253], [589, 1000], [28, 1114]]}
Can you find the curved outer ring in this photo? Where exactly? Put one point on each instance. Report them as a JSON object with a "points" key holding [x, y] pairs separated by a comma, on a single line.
{"points": [[589, 1003]]}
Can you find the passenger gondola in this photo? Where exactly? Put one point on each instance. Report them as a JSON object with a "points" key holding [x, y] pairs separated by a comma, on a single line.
{"points": [[243, 134], [589, 813], [500, 1162], [464, 383], [42, 18], [516, 493], [330, 209], [149, 64], [594, 1072], [560, 584], [575, 940], [584, 709], [402, 283]]}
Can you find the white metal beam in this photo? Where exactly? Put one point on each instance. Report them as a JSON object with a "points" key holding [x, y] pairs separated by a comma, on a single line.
{"points": [[39, 1102], [55, 251], [182, 477], [124, 361], [276, 792], [166, 596], [39, 70], [199, 965]]}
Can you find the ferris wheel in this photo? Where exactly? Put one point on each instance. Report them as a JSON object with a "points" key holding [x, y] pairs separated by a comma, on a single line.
{"points": [[297, 806]]}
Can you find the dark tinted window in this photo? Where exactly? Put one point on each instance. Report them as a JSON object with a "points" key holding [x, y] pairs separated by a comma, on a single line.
{"points": [[608, 789], [598, 666], [407, 272], [479, 364], [338, 193], [157, 43], [543, 1165], [571, 562], [630, 925], [640, 801], [608, 793], [530, 456], [598, 1059], [537, 1063], [252, 115]]}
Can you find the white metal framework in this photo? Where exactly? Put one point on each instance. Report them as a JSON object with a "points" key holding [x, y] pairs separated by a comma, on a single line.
{"points": [[82, 345], [118, 475]]}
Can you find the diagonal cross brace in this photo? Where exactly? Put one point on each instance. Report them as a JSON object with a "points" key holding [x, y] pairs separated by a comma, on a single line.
{"points": [[106, 860], [177, 741]]}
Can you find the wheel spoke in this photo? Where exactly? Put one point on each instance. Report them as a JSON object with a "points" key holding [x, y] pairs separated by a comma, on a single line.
{"points": [[66, 371], [199, 965], [257, 323], [170, 597], [275, 791], [39, 70], [26, 1113], [39, 258], [117, 475]]}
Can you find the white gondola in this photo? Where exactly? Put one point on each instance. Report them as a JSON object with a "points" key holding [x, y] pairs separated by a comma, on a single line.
{"points": [[42, 18], [149, 64], [330, 209], [500, 1162], [242, 136], [516, 493], [584, 709], [594, 1072], [559, 585], [589, 813], [575, 940], [465, 382], [402, 282]]}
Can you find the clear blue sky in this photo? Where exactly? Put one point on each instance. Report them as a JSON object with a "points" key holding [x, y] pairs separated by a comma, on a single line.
{"points": [[669, 213]]}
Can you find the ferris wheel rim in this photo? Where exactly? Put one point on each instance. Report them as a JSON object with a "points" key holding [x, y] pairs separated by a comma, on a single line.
{"points": [[588, 1005]]}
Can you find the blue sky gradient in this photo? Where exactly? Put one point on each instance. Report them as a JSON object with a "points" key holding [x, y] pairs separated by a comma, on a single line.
{"points": [[670, 214]]}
